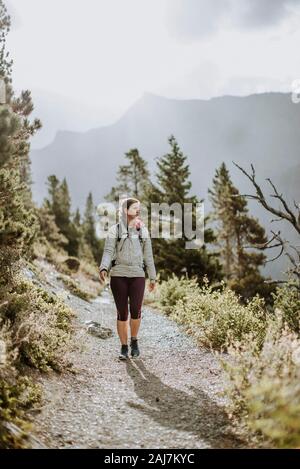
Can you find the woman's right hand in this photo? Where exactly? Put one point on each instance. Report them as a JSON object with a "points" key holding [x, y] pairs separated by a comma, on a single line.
{"points": [[103, 275]]}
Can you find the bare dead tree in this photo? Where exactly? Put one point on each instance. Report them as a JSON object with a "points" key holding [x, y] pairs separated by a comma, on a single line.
{"points": [[283, 213]]}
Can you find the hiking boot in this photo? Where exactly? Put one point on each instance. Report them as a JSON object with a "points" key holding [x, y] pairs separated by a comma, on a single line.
{"points": [[124, 352], [134, 347]]}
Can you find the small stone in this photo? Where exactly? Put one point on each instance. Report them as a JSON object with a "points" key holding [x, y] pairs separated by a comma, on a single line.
{"points": [[72, 263]]}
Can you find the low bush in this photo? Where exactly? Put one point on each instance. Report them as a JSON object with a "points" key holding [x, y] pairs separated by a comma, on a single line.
{"points": [[264, 385], [216, 317], [174, 289], [40, 326], [287, 299], [262, 359]]}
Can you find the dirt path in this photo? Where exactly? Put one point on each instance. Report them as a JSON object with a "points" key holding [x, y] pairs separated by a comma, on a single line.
{"points": [[167, 398]]}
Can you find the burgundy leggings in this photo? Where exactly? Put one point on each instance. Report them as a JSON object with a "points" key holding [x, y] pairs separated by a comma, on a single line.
{"points": [[128, 287]]}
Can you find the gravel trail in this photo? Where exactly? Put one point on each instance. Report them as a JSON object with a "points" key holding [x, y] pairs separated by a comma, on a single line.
{"points": [[166, 398]]}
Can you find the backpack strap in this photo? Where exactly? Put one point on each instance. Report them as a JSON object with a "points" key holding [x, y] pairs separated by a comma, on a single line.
{"points": [[118, 225], [113, 262], [142, 246]]}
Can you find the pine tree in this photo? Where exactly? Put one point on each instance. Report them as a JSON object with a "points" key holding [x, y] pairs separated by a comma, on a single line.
{"points": [[50, 230], [132, 178], [237, 229], [173, 186], [63, 214], [89, 229], [53, 202], [222, 201], [84, 250], [19, 229], [173, 175], [77, 218], [18, 221], [22, 107], [59, 204]]}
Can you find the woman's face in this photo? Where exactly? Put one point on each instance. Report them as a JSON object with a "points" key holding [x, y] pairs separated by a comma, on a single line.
{"points": [[134, 209]]}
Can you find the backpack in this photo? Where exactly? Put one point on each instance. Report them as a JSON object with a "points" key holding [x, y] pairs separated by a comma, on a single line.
{"points": [[113, 262]]}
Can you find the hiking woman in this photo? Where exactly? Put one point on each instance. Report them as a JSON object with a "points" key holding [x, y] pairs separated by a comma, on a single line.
{"points": [[127, 255]]}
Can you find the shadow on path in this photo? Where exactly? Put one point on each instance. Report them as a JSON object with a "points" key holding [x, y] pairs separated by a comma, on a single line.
{"points": [[176, 409]]}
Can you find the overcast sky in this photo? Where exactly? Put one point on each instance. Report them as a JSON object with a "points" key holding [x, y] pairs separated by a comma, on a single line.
{"points": [[106, 53]]}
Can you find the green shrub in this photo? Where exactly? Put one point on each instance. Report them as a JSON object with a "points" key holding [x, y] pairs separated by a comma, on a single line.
{"points": [[35, 330], [216, 317], [10, 412], [264, 384], [174, 289], [263, 361], [17, 394], [287, 299], [41, 326]]}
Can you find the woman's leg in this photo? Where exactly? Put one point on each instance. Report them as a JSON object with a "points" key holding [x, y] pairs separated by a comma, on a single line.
{"points": [[136, 296], [119, 288]]}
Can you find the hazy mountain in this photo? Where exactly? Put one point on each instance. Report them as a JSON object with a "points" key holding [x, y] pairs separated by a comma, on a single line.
{"points": [[58, 112], [261, 129]]}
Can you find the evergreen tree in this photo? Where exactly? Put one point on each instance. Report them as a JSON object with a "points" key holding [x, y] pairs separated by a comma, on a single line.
{"points": [[22, 107], [18, 230], [77, 218], [53, 202], [63, 214], [59, 204], [18, 221], [174, 186], [49, 229], [237, 229], [89, 229], [84, 250], [132, 178], [173, 174], [222, 201]]}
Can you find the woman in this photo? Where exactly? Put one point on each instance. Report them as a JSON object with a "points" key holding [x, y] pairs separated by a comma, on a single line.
{"points": [[128, 249]]}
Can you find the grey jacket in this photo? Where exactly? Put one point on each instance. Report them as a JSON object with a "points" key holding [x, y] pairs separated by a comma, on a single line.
{"points": [[128, 253]]}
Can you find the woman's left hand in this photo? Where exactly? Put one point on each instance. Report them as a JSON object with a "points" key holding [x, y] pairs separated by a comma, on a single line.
{"points": [[151, 286]]}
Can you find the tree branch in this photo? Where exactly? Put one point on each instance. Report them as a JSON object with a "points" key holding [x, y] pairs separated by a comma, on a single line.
{"points": [[287, 215]]}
